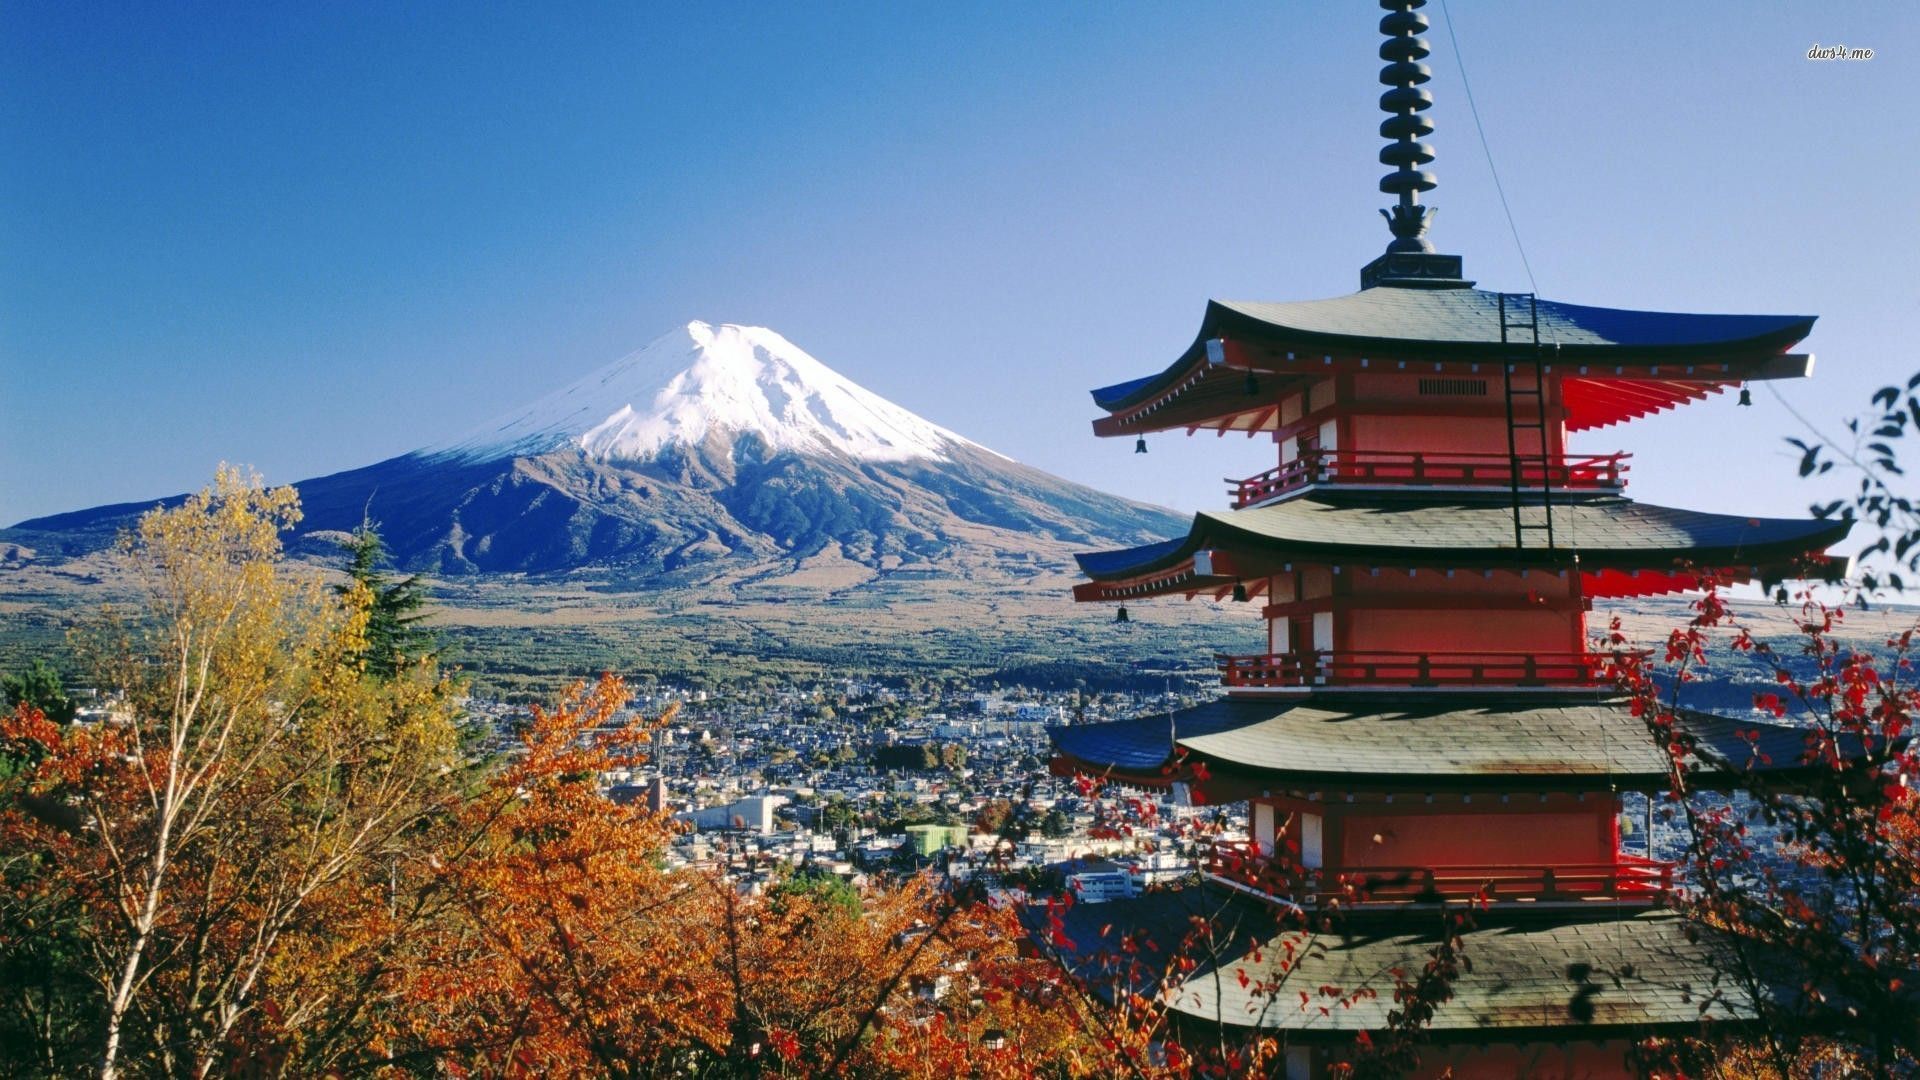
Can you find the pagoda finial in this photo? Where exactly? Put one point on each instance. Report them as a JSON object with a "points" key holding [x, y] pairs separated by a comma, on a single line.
{"points": [[1409, 259], [1404, 102]]}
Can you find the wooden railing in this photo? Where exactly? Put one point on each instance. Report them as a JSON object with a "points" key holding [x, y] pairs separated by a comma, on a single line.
{"points": [[1629, 878], [1603, 472], [1319, 668]]}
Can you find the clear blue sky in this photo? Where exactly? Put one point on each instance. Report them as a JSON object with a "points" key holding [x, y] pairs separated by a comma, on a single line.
{"points": [[311, 236]]}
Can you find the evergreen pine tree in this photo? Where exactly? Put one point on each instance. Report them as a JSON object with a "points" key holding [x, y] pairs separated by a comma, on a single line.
{"points": [[39, 686], [394, 636]]}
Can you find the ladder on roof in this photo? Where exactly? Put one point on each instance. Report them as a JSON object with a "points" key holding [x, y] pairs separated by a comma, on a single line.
{"points": [[1526, 412]]}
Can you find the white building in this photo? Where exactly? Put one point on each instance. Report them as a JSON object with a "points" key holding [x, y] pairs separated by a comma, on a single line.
{"points": [[1100, 886], [753, 813]]}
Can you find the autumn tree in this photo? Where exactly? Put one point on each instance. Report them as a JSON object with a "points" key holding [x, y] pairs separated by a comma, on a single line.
{"points": [[182, 852], [571, 948], [279, 864], [568, 949], [1816, 881]]}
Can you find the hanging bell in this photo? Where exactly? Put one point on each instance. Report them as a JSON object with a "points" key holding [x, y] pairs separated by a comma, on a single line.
{"points": [[1240, 592], [1140, 445], [1120, 615], [1253, 383], [1746, 395]]}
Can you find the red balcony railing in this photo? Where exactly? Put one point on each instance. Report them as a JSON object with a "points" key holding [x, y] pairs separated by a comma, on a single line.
{"points": [[1603, 472], [1323, 668], [1629, 878]]}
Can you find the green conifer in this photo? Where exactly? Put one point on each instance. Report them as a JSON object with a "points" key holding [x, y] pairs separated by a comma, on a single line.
{"points": [[39, 686], [395, 637]]}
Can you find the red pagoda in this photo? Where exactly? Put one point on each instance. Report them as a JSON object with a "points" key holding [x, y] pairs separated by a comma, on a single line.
{"points": [[1428, 718]]}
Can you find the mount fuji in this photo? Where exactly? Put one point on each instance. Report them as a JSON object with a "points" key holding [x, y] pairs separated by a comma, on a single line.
{"points": [[701, 382], [717, 450]]}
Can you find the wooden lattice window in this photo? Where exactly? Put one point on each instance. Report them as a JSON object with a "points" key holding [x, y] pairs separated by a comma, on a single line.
{"points": [[1453, 387]]}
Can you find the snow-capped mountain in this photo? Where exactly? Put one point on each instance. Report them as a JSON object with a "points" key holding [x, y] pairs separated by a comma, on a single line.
{"points": [[702, 381], [716, 450]]}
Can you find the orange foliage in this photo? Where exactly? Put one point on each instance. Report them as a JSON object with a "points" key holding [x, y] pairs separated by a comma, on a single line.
{"points": [[570, 949], [575, 952], [270, 862]]}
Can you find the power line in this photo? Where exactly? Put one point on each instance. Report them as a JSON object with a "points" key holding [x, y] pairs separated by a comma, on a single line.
{"points": [[1461, 63]]}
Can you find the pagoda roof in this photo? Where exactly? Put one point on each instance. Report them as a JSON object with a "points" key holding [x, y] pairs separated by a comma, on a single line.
{"points": [[1415, 740], [1655, 970], [1533, 974], [1464, 323], [1459, 529]]}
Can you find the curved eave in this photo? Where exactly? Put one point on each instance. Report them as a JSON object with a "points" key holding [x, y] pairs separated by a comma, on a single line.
{"points": [[1610, 584], [1465, 323], [1727, 764], [1181, 580], [1064, 764], [1635, 974], [1649, 971], [1608, 533], [1139, 747], [1670, 357], [1410, 741], [1214, 398]]}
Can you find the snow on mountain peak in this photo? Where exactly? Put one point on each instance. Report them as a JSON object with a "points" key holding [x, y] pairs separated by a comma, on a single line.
{"points": [[702, 380]]}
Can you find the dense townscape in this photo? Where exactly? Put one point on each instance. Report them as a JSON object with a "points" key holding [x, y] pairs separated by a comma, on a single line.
{"points": [[855, 779]]}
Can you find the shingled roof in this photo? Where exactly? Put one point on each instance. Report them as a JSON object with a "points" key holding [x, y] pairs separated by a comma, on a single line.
{"points": [[1532, 974], [1465, 324], [1430, 741], [1472, 317], [1466, 529]]}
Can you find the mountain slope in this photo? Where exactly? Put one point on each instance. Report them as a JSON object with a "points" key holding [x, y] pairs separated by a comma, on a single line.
{"points": [[716, 450]]}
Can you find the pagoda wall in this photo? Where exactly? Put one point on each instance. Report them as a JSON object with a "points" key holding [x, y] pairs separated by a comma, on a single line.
{"points": [[1319, 394], [1557, 829], [1538, 631], [1312, 585], [1394, 610], [1430, 434], [1530, 837], [1600, 1060], [1571, 1060], [1406, 414]]}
